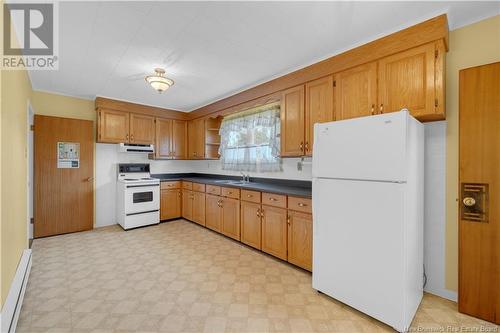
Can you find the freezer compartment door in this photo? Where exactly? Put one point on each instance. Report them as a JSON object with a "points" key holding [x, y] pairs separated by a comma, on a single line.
{"points": [[371, 148], [358, 246]]}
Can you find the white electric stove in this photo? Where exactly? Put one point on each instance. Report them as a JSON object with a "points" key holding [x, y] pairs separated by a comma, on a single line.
{"points": [[138, 196]]}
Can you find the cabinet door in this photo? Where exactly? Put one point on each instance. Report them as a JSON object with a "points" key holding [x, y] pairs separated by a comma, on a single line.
{"points": [[142, 129], [170, 204], [113, 126], [292, 122], [199, 207], [231, 217], [319, 107], [251, 224], [300, 239], [163, 147], [356, 92], [187, 204], [406, 80], [179, 139], [213, 212], [196, 139], [274, 231]]}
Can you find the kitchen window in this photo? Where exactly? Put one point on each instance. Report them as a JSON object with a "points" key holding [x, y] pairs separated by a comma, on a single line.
{"points": [[250, 140]]}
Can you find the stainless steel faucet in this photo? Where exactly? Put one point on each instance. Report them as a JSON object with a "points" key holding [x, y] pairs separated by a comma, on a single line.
{"points": [[245, 178]]}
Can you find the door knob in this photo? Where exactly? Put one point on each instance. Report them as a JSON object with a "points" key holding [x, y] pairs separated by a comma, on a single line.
{"points": [[89, 179], [469, 201]]}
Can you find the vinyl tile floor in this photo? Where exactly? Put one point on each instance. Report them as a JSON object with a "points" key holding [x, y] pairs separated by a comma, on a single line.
{"points": [[181, 277]]}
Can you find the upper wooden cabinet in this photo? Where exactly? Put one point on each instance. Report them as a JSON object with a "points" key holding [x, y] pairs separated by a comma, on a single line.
{"points": [[356, 92], [407, 80], [196, 139], [118, 126], [171, 139], [292, 122], [112, 126], [319, 108], [142, 129], [163, 147], [179, 139]]}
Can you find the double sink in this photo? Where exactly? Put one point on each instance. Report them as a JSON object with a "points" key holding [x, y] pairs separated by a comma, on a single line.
{"points": [[232, 182]]}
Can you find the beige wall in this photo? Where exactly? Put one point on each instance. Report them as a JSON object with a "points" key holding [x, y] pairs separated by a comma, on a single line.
{"points": [[470, 46], [49, 104], [16, 91]]}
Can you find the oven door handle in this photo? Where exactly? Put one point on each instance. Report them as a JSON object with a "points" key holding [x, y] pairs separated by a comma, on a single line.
{"points": [[150, 185]]}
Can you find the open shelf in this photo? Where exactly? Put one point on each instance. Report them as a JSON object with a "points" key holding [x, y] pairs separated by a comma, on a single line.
{"points": [[212, 137]]}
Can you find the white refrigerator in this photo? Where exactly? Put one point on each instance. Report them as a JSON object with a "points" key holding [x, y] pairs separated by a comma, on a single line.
{"points": [[368, 214]]}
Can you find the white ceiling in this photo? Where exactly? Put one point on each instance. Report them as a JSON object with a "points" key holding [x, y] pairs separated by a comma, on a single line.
{"points": [[214, 49]]}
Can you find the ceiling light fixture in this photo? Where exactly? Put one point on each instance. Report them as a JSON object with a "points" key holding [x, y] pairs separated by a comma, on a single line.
{"points": [[158, 81]]}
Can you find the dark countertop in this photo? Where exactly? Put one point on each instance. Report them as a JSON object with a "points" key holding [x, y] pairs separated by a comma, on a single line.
{"points": [[300, 188]]}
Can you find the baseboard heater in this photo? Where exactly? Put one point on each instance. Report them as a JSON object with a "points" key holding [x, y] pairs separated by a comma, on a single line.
{"points": [[12, 307]]}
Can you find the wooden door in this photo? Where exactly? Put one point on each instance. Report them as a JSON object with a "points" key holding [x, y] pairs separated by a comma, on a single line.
{"points": [[213, 212], [63, 197], [179, 139], [112, 126], [251, 224], [187, 204], [479, 226], [142, 129], [163, 147], [319, 107], [196, 139], [231, 217], [300, 239], [170, 204], [274, 229], [356, 92], [406, 80], [199, 207], [292, 122]]}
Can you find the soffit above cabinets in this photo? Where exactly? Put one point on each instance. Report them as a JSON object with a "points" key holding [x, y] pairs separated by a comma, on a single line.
{"points": [[213, 49]]}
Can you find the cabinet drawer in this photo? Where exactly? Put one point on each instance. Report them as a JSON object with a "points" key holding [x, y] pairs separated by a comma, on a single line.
{"points": [[300, 204], [276, 200], [251, 196], [212, 189], [231, 192], [198, 187], [187, 185], [170, 185]]}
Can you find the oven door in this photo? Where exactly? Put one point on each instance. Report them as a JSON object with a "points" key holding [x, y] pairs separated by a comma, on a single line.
{"points": [[142, 198]]}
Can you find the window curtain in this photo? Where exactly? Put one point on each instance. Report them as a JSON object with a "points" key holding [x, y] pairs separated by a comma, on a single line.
{"points": [[250, 140]]}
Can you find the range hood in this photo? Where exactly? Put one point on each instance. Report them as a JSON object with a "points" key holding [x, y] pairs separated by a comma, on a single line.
{"points": [[135, 148]]}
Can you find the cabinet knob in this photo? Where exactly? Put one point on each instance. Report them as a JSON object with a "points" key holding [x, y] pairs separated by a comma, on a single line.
{"points": [[126, 136], [469, 201], [288, 220], [301, 204], [381, 108], [373, 109], [273, 199], [307, 146], [258, 212], [301, 146], [249, 195]]}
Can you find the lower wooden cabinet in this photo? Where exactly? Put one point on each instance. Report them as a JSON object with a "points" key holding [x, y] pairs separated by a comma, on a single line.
{"points": [[300, 239], [230, 217], [170, 204], [213, 212], [187, 204], [274, 231], [198, 207], [251, 224]]}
